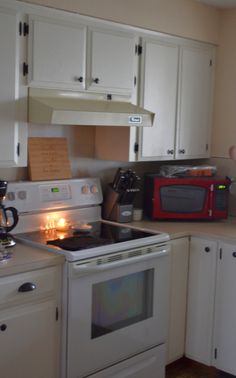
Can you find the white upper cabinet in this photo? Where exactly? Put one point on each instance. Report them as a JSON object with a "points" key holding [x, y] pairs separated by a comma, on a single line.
{"points": [[159, 89], [70, 55], [194, 102], [57, 53], [177, 86], [13, 129], [112, 61]]}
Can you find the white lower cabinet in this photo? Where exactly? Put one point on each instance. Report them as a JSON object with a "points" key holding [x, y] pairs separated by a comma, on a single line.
{"points": [[178, 298], [201, 294], [211, 315], [29, 324], [27, 341], [224, 347]]}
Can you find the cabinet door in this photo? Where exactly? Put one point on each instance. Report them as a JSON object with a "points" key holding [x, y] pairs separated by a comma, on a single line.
{"points": [[28, 343], [159, 91], [13, 133], [201, 295], [112, 62], [194, 102], [225, 310], [56, 53], [178, 299]]}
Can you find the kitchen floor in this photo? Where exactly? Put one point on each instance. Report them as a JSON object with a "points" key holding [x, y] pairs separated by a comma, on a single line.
{"points": [[185, 368]]}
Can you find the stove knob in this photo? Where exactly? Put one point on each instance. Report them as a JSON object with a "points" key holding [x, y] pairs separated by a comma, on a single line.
{"points": [[94, 189], [85, 189]]}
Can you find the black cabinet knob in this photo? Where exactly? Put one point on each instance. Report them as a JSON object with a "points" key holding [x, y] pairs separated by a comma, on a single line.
{"points": [[170, 152], [27, 286], [234, 254], [3, 327], [80, 79], [96, 80], [182, 151], [207, 249]]}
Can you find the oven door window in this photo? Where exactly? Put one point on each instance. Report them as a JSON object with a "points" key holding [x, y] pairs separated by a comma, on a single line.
{"points": [[120, 302]]}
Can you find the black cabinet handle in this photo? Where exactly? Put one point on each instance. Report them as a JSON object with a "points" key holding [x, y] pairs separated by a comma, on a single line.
{"points": [[170, 152], [80, 79], [182, 151], [96, 80], [234, 254], [207, 249], [3, 327], [27, 286]]}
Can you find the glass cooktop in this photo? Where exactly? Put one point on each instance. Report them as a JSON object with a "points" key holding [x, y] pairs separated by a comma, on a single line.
{"points": [[95, 235]]}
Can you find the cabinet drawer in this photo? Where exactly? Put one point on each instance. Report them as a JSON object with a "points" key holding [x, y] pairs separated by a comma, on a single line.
{"points": [[28, 286]]}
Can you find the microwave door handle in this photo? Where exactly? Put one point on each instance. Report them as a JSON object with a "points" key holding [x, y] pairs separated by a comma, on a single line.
{"points": [[210, 201], [86, 268]]}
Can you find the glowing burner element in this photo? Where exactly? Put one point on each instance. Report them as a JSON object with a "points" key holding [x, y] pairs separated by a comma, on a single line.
{"points": [[50, 223], [62, 225], [54, 223]]}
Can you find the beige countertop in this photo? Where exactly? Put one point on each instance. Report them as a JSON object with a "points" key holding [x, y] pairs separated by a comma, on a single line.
{"points": [[223, 229], [26, 258]]}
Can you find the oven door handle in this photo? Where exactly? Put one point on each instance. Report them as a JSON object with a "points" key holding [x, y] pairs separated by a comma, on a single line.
{"points": [[89, 268]]}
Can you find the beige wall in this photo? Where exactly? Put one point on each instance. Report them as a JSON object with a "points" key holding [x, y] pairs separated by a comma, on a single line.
{"points": [[185, 18], [224, 120]]}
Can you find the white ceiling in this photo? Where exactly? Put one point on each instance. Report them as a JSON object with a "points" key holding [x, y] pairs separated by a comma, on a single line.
{"points": [[220, 3]]}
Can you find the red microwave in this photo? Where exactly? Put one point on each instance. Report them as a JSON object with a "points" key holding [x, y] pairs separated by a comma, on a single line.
{"points": [[186, 197]]}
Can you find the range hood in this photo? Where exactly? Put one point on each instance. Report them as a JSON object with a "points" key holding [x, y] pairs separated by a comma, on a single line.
{"points": [[75, 108]]}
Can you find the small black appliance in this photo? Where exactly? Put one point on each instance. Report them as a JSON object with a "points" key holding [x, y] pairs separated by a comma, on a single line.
{"points": [[8, 219]]}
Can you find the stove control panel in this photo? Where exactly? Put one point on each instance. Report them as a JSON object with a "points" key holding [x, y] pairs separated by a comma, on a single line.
{"points": [[58, 192], [28, 196]]}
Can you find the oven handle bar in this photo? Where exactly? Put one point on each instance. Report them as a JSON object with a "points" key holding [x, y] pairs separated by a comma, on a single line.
{"points": [[89, 268]]}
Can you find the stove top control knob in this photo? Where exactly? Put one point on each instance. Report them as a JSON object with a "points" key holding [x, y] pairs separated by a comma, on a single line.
{"points": [[94, 189], [85, 189]]}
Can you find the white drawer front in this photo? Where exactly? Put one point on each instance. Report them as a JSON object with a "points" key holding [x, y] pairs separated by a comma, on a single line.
{"points": [[34, 284]]}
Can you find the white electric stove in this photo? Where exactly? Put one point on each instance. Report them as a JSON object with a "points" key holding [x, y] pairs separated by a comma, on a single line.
{"points": [[115, 284]]}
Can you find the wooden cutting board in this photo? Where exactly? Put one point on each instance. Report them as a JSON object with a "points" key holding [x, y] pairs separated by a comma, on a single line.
{"points": [[48, 159]]}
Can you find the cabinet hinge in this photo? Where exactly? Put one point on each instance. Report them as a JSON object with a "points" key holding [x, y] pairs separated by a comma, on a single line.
{"points": [[220, 254], [57, 314], [25, 69], [215, 353], [18, 149], [25, 29], [20, 28], [138, 49], [136, 147]]}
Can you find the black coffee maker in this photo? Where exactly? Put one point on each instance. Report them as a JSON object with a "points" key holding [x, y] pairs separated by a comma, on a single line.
{"points": [[8, 219]]}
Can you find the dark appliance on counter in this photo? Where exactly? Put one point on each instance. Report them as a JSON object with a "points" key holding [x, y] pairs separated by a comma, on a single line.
{"points": [[119, 196], [8, 219], [186, 197]]}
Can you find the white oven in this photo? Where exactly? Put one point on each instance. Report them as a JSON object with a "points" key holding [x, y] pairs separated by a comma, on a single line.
{"points": [[117, 308], [115, 282]]}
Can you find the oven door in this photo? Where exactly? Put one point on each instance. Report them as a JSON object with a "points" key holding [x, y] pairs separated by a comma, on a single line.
{"points": [[117, 308]]}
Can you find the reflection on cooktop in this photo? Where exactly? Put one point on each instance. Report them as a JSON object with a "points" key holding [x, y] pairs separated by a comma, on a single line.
{"points": [[76, 243], [101, 233]]}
